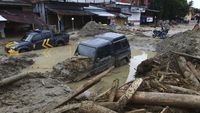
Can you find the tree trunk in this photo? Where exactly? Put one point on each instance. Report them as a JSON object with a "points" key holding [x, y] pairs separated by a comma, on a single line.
{"points": [[129, 93], [165, 99], [12, 79], [185, 70], [91, 107]]}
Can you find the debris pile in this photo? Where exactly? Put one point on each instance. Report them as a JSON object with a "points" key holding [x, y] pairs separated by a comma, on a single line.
{"points": [[73, 69], [186, 42], [92, 28], [11, 65]]}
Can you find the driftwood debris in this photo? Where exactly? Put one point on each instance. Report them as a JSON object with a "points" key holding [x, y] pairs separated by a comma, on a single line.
{"points": [[184, 90], [164, 99], [12, 79], [166, 110], [185, 70], [91, 107], [186, 55], [129, 93], [137, 111], [113, 90], [193, 70], [66, 108], [84, 87]]}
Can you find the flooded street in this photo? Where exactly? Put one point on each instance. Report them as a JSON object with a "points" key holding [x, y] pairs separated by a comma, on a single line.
{"points": [[49, 57]]}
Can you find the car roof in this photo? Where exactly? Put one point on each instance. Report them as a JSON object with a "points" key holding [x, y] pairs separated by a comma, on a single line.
{"points": [[40, 31], [96, 42], [111, 36]]}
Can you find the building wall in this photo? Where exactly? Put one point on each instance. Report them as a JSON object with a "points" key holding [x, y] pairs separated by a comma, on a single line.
{"points": [[134, 18]]}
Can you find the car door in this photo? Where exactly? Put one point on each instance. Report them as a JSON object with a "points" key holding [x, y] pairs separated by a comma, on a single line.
{"points": [[49, 39], [38, 41], [103, 59]]}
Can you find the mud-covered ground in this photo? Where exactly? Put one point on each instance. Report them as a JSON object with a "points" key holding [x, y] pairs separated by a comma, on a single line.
{"points": [[39, 89]]}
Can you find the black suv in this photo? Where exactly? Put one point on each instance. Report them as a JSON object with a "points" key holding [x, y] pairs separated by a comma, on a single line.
{"points": [[106, 50]]}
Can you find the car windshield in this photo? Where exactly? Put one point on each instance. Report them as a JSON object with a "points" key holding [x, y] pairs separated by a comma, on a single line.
{"points": [[86, 51], [28, 37]]}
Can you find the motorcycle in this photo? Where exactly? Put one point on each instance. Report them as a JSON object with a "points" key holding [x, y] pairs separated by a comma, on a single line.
{"points": [[162, 34]]}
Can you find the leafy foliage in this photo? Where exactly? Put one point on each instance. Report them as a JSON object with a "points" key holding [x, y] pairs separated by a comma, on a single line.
{"points": [[170, 9]]}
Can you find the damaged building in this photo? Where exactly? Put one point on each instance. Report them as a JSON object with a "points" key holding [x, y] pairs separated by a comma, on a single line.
{"points": [[62, 15], [16, 17]]}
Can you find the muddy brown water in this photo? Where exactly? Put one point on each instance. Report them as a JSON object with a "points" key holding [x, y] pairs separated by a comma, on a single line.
{"points": [[49, 57]]}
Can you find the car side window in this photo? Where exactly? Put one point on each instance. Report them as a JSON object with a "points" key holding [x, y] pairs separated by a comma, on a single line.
{"points": [[125, 43], [104, 51], [47, 35], [37, 37], [117, 45]]}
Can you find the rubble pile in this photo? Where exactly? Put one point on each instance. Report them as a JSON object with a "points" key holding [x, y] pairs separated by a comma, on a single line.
{"points": [[11, 65], [92, 28], [73, 69]]}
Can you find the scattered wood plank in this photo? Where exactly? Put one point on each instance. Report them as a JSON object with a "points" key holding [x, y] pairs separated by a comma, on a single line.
{"points": [[12, 79], [110, 105], [113, 90], [137, 111], [166, 110], [182, 63], [186, 55], [129, 93], [184, 90], [164, 99], [84, 87], [91, 107], [66, 108], [194, 71]]}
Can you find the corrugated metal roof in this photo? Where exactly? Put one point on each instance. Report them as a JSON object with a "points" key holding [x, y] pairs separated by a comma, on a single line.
{"points": [[70, 12], [2, 19], [99, 11], [21, 17], [103, 13]]}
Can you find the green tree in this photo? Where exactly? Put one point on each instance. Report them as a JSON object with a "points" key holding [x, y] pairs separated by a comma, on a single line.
{"points": [[170, 9]]}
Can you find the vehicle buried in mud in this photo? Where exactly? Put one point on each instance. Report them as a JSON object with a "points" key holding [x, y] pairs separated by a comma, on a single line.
{"points": [[37, 39], [100, 53]]}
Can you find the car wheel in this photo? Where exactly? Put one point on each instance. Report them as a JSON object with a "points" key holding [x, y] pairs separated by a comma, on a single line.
{"points": [[154, 36], [22, 50], [60, 43]]}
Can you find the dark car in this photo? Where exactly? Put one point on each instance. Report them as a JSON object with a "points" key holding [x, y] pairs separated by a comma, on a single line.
{"points": [[106, 50], [37, 39]]}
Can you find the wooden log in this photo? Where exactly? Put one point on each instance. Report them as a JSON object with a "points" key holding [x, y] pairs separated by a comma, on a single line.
{"points": [[60, 101], [113, 90], [129, 93], [186, 55], [194, 71], [164, 99], [66, 108], [166, 110], [137, 111], [182, 63], [184, 90], [110, 105], [91, 107], [12, 79]]}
